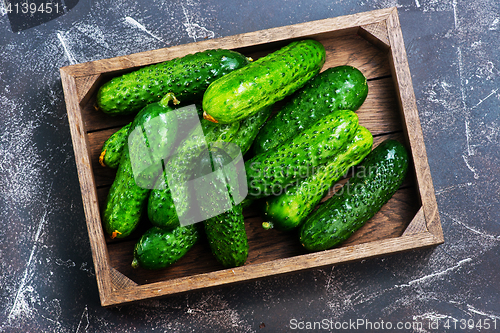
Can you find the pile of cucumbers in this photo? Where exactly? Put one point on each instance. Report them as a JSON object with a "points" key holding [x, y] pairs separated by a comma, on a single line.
{"points": [[292, 159]]}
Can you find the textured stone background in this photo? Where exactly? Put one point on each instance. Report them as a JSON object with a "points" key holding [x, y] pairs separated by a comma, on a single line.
{"points": [[47, 280]]}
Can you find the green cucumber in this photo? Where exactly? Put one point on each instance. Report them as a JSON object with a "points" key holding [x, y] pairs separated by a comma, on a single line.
{"points": [[272, 172], [186, 77], [250, 127], [263, 82], [112, 149], [159, 248], [162, 211], [337, 88], [227, 237], [140, 164], [217, 181], [378, 178], [288, 210]]}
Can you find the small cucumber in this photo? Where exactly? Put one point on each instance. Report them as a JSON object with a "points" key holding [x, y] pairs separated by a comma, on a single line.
{"points": [[272, 172], [288, 210], [162, 211], [146, 146], [225, 231], [378, 178], [112, 149], [227, 237], [337, 88], [159, 248], [186, 77], [263, 82]]}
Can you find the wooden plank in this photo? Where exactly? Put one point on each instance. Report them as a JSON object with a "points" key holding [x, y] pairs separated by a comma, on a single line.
{"points": [[380, 112], [271, 268], [96, 120], [87, 186], [376, 33], [417, 225], [356, 51], [103, 176], [409, 112], [86, 86]]}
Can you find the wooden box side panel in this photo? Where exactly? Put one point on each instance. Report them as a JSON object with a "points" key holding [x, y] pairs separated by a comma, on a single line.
{"points": [[276, 267], [413, 130], [87, 185]]}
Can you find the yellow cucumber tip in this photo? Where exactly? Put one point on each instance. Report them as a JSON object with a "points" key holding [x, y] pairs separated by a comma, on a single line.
{"points": [[101, 158], [209, 117]]}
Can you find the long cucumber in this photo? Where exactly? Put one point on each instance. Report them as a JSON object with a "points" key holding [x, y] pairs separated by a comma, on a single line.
{"points": [[288, 210], [379, 177]]}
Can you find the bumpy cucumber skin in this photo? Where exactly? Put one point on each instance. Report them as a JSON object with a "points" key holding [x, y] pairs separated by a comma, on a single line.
{"points": [[383, 171], [263, 82], [159, 248], [112, 149], [227, 237], [250, 127], [288, 210], [225, 232], [271, 172], [126, 199], [186, 77], [337, 88], [162, 211]]}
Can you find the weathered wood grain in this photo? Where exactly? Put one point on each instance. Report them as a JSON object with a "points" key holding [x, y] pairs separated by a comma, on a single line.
{"points": [[87, 186], [411, 125], [376, 33]]}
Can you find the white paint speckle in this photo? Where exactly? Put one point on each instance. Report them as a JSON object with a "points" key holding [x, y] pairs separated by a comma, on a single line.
{"points": [[437, 274], [474, 230], [84, 323], [194, 30], [20, 306], [493, 92], [3, 10], [67, 52], [455, 16], [482, 313], [467, 163], [66, 263], [138, 25], [494, 25], [470, 151]]}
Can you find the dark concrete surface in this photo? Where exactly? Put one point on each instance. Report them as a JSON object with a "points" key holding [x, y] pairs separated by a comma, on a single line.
{"points": [[47, 279]]}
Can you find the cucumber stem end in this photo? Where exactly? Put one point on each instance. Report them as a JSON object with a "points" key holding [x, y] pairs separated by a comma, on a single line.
{"points": [[267, 225]]}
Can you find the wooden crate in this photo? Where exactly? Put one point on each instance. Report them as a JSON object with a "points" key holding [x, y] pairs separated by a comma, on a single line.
{"points": [[370, 41]]}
